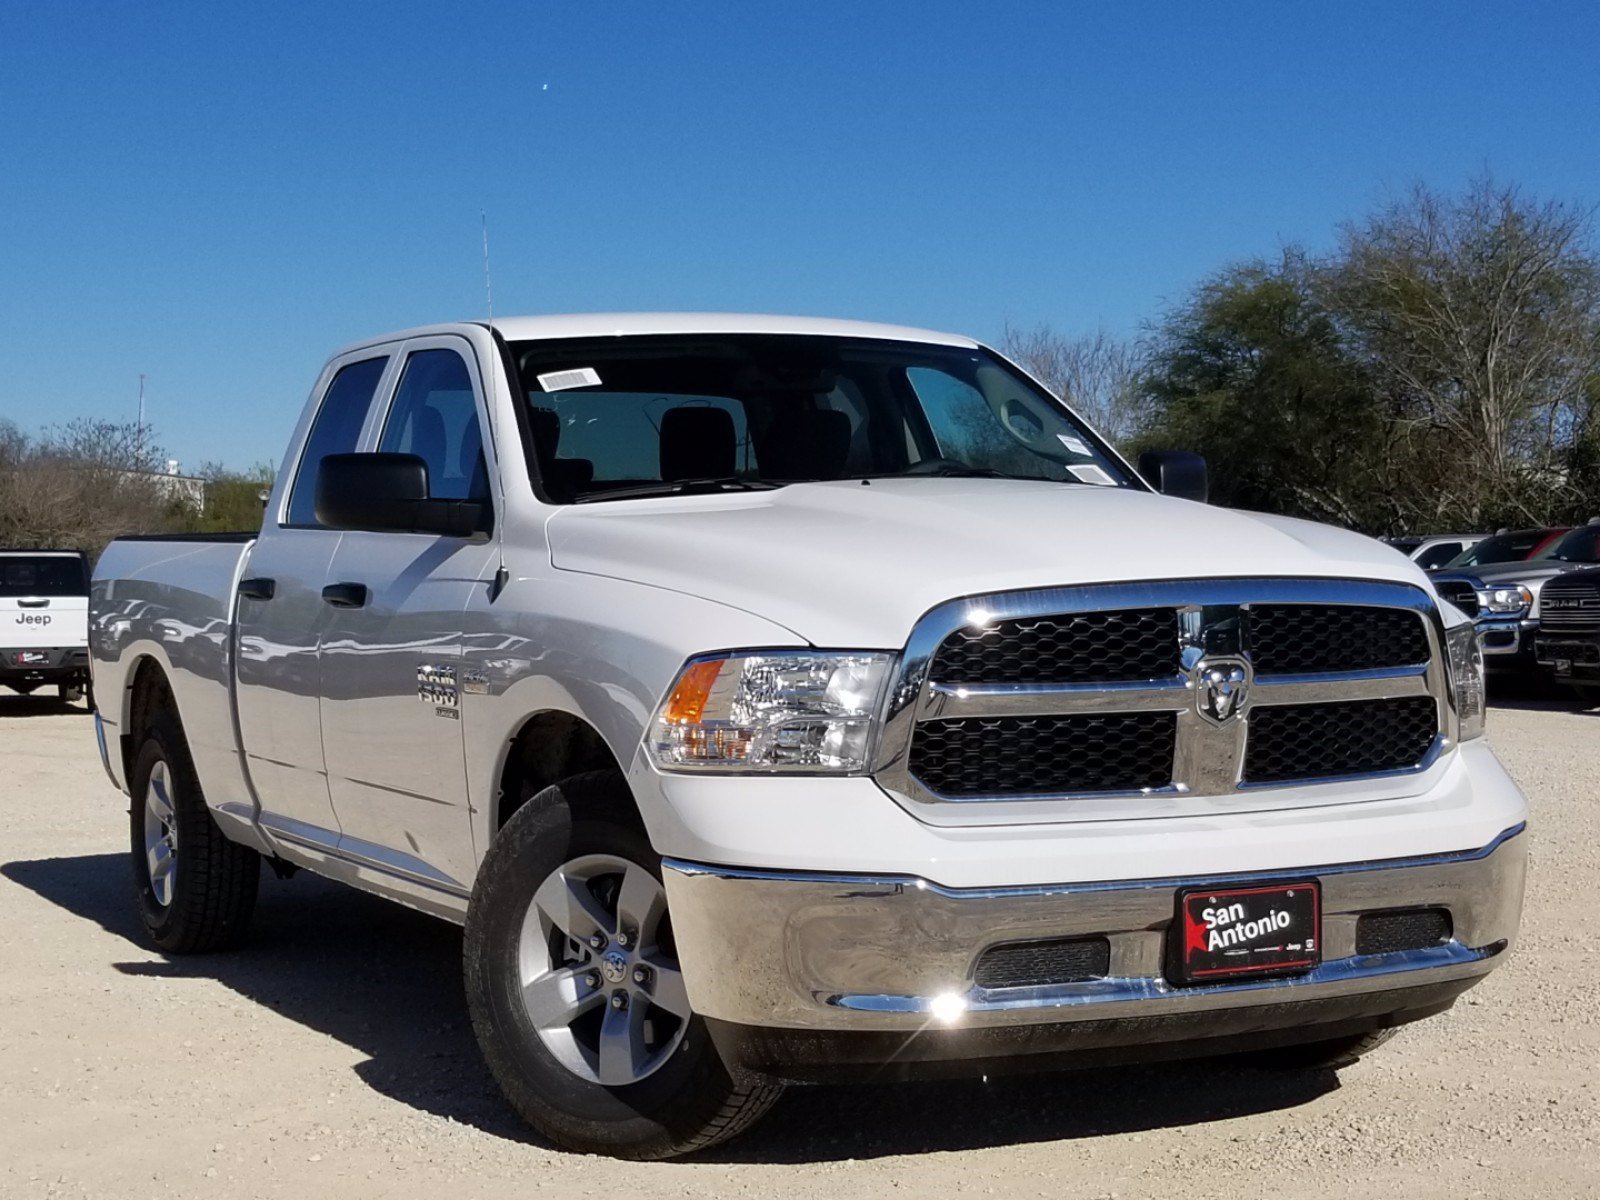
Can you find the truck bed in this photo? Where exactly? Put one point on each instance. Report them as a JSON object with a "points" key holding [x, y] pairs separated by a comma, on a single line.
{"points": [[169, 598]]}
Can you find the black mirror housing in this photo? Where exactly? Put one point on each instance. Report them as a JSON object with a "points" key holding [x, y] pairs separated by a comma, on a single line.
{"points": [[388, 493], [1176, 473]]}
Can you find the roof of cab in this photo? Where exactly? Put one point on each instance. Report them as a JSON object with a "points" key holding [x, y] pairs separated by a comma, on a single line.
{"points": [[589, 325]]}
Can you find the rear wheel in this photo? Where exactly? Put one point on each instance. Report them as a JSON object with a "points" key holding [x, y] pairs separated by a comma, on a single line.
{"points": [[195, 889], [576, 996], [70, 693]]}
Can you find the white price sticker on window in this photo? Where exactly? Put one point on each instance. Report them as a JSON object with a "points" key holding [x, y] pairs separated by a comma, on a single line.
{"points": [[1076, 445], [1089, 473], [560, 381]]}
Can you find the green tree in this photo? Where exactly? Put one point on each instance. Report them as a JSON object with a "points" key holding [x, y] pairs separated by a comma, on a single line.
{"points": [[1254, 373]]}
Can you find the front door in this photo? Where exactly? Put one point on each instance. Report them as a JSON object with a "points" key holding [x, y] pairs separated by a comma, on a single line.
{"points": [[391, 652]]}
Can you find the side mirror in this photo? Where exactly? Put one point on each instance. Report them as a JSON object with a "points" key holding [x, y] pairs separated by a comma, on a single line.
{"points": [[388, 493], [1176, 473]]}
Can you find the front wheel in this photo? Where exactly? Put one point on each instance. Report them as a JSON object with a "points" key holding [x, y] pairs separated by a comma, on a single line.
{"points": [[576, 995], [1330, 1055]]}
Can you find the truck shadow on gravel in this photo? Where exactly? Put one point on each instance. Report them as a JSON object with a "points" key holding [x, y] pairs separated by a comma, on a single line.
{"points": [[14, 705], [386, 981]]}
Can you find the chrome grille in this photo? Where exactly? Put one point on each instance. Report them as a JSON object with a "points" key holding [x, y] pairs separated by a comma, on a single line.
{"points": [[1300, 639], [1237, 704], [1325, 741], [1570, 606], [1094, 647], [1020, 756], [1460, 593]]}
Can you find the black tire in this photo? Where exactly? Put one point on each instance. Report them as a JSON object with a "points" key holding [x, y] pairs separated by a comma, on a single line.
{"points": [[689, 1103], [1331, 1055], [70, 693], [1588, 693], [213, 890]]}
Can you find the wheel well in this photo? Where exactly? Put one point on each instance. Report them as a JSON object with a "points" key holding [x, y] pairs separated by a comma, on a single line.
{"points": [[149, 693], [550, 746]]}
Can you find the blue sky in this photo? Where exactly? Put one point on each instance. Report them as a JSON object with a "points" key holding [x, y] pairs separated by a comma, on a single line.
{"points": [[219, 195]]}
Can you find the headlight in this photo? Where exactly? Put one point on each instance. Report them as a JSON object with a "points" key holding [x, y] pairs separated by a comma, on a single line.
{"points": [[1506, 601], [1466, 679], [778, 710]]}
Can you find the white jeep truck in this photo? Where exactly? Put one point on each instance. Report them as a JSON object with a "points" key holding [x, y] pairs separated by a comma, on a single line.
{"points": [[790, 700], [44, 621]]}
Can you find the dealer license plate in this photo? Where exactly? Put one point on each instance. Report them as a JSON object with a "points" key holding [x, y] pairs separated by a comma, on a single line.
{"points": [[1232, 932]]}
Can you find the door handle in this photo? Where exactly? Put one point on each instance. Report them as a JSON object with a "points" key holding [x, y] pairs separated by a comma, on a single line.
{"points": [[345, 595], [33, 604], [258, 589]]}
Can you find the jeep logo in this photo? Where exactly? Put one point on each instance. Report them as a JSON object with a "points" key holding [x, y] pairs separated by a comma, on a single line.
{"points": [[30, 619]]}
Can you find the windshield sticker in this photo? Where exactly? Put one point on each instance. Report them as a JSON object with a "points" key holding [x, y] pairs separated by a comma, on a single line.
{"points": [[1074, 444], [1089, 473], [560, 381]]}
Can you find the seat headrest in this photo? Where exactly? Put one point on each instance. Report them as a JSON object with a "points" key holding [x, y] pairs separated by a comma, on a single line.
{"points": [[806, 443], [697, 443], [428, 437]]}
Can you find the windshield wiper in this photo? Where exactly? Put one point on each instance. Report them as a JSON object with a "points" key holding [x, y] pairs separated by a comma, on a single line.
{"points": [[679, 487], [962, 471]]}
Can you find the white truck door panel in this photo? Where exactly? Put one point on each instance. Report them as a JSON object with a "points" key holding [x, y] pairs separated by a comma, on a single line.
{"points": [[391, 712], [391, 670]]}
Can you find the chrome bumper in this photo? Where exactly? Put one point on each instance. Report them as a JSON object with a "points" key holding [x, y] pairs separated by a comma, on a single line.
{"points": [[843, 953], [1504, 635]]}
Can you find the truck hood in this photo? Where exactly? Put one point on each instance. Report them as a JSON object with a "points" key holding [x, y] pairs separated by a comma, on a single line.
{"points": [[848, 565], [1527, 570]]}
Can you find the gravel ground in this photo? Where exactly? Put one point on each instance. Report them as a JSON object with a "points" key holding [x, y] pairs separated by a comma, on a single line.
{"points": [[333, 1055]]}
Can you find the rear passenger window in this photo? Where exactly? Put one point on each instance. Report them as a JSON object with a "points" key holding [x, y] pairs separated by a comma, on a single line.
{"points": [[435, 417], [334, 430]]}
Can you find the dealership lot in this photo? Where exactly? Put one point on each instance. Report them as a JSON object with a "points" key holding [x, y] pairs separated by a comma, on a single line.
{"points": [[332, 1055]]}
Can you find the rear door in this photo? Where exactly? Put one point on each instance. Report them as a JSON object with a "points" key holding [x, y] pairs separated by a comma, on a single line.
{"points": [[44, 606], [391, 650], [281, 617]]}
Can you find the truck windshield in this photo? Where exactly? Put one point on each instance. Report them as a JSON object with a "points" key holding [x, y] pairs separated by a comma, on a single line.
{"points": [[1501, 548], [43, 575], [1582, 545], [621, 418]]}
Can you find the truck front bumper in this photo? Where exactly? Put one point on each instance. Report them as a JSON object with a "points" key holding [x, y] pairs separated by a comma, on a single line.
{"points": [[840, 954], [1507, 642]]}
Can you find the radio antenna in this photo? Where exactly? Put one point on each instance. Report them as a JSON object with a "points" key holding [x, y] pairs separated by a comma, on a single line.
{"points": [[488, 287], [139, 429]]}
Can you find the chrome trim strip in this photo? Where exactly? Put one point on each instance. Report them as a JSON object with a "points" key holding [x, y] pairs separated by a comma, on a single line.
{"points": [[1209, 757], [949, 701], [1339, 977], [1165, 883]]}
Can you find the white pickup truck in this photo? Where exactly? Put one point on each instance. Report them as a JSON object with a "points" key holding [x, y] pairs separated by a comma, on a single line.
{"points": [[781, 700]]}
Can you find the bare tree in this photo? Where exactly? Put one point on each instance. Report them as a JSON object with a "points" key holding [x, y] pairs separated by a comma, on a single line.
{"points": [[79, 485], [1480, 312], [1096, 373]]}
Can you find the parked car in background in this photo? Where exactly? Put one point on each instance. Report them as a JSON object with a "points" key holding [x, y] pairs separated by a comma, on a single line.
{"points": [[1434, 550], [1509, 545], [44, 621], [1567, 642], [1503, 597]]}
